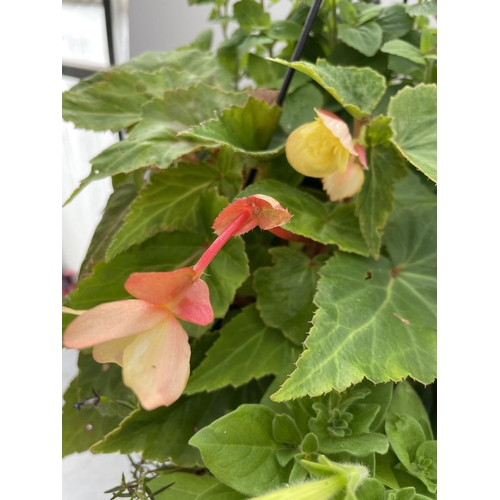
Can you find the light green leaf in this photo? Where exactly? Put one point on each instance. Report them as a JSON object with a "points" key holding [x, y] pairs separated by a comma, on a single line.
{"points": [[357, 89], [239, 449], [247, 129], [186, 486], [422, 9], [405, 401], [246, 349], [192, 62], [366, 38], [163, 434], [370, 489], [172, 200], [299, 107], [375, 319], [414, 123], [403, 49], [112, 219], [251, 16], [154, 140], [220, 492], [285, 291], [405, 435], [284, 31], [81, 429], [358, 446], [366, 12], [312, 219], [376, 200], [395, 22], [426, 464], [204, 40]]}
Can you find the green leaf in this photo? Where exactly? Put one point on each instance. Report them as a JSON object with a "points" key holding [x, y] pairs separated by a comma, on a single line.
{"points": [[426, 464], [239, 449], [405, 435], [312, 219], [172, 200], [428, 42], [411, 191], [264, 73], [406, 401], [166, 252], [366, 38], [285, 430], [414, 123], [246, 349], [343, 55], [220, 492], [299, 107], [384, 465], [363, 417], [367, 12], [251, 16], [163, 434], [154, 140], [81, 429], [395, 22], [403, 49], [376, 200], [357, 89], [348, 13], [422, 9], [247, 129], [370, 489], [284, 31], [285, 291], [204, 40], [380, 395], [112, 220], [186, 486], [375, 319], [189, 62]]}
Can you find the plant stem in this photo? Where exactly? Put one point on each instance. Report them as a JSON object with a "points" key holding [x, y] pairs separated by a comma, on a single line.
{"points": [[214, 248]]}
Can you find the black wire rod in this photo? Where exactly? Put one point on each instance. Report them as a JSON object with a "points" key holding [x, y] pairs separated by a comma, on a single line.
{"points": [[313, 11]]}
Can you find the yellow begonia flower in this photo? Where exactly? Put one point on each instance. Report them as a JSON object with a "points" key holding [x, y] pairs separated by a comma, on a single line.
{"points": [[341, 185], [322, 147]]}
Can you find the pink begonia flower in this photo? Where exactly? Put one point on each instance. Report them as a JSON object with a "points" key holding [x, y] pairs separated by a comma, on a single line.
{"points": [[143, 335], [322, 147], [341, 185]]}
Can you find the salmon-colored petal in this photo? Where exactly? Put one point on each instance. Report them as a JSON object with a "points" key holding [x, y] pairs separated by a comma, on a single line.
{"points": [[338, 128], [156, 364], [344, 185], [160, 288], [112, 321], [361, 156], [266, 212], [195, 305], [112, 351]]}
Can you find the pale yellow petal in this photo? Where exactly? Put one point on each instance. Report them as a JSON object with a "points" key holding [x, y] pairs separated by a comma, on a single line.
{"points": [[112, 351], [344, 185], [156, 364]]}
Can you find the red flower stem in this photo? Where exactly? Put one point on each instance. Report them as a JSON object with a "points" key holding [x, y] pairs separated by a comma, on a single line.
{"points": [[214, 248]]}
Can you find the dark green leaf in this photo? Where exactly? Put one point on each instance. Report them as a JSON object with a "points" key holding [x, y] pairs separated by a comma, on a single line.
{"points": [[312, 219], [239, 449], [285, 430], [246, 349], [366, 38], [112, 220], [375, 319], [376, 200], [343, 55], [186, 486], [81, 429], [412, 191], [163, 434], [414, 123], [299, 107], [395, 22], [172, 200], [357, 89], [285, 292], [264, 73]]}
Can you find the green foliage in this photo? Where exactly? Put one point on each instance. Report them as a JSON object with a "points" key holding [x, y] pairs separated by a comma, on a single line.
{"points": [[292, 389]]}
